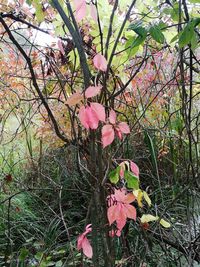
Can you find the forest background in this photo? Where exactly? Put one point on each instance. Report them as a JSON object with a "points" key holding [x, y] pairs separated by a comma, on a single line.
{"points": [[99, 133]]}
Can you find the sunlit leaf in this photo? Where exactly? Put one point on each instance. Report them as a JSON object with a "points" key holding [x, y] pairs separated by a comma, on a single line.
{"points": [[165, 223], [148, 218], [147, 198]]}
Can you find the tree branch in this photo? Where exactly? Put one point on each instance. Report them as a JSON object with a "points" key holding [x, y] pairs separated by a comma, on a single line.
{"points": [[77, 41]]}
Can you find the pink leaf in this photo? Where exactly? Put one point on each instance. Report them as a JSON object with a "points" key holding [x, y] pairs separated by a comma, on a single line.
{"points": [[121, 216], [124, 128], [92, 118], [80, 7], [121, 172], [21, 2], [83, 117], [111, 214], [88, 228], [88, 117], [113, 233], [80, 241], [112, 116], [60, 46], [107, 135], [129, 198], [120, 208], [99, 110], [100, 62], [87, 248], [92, 91], [134, 168], [119, 195], [83, 242], [93, 12], [118, 133], [130, 211], [118, 233]]}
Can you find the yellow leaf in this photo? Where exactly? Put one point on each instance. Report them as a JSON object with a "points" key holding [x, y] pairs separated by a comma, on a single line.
{"points": [[165, 223], [148, 218], [135, 192], [147, 198], [139, 198]]}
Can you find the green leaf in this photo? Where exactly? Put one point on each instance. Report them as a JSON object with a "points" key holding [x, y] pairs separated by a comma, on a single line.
{"points": [[38, 10], [138, 41], [194, 41], [131, 51], [162, 25], [132, 180], [157, 34], [174, 38], [195, 21], [23, 254], [29, 2], [174, 12], [133, 43], [59, 264], [188, 32], [137, 28], [194, 1], [114, 175]]}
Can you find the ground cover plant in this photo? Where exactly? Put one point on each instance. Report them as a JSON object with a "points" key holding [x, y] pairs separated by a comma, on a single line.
{"points": [[99, 120]]}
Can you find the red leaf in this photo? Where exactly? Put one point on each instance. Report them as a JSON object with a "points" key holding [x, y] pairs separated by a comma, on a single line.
{"points": [[8, 178], [108, 135], [100, 62]]}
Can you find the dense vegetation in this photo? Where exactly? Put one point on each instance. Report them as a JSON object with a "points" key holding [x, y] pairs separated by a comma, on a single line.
{"points": [[99, 133]]}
